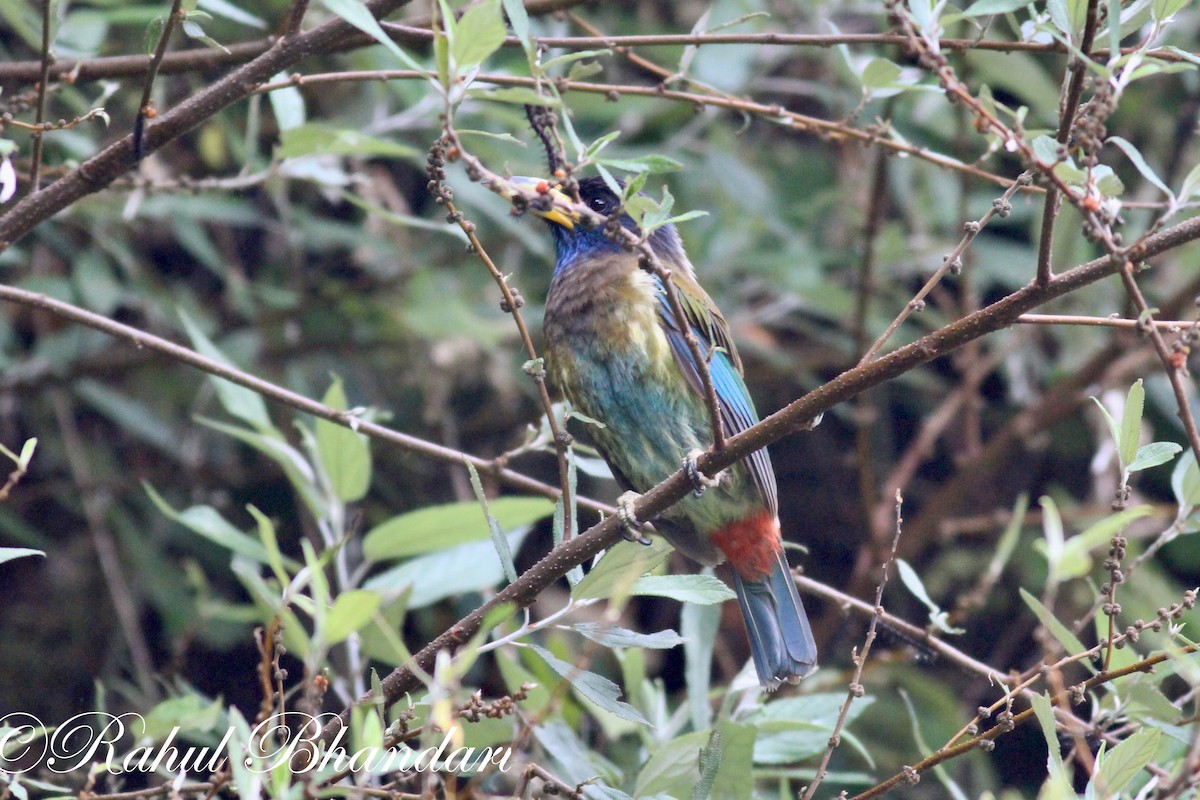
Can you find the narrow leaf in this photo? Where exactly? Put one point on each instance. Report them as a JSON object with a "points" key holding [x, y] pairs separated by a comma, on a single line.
{"points": [[357, 15], [1131, 423], [613, 636], [1059, 631], [1153, 454], [1139, 161], [351, 611], [1126, 760], [621, 565], [702, 589], [600, 690]]}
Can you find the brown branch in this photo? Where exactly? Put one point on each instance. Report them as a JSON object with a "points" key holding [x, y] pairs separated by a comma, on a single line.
{"points": [[1174, 364], [1066, 124], [1171, 326], [512, 304], [207, 59], [417, 31], [43, 88], [145, 109], [952, 262], [859, 658], [147, 341], [112, 162], [835, 131]]}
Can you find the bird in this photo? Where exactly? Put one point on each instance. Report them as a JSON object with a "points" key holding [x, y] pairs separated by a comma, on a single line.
{"points": [[620, 357]]}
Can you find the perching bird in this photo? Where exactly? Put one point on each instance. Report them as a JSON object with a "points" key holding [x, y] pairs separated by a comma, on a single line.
{"points": [[616, 351]]}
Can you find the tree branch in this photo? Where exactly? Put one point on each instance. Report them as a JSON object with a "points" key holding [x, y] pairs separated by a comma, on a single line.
{"points": [[103, 168]]}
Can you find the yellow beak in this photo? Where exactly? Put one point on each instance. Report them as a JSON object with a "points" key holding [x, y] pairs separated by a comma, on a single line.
{"points": [[543, 187]]}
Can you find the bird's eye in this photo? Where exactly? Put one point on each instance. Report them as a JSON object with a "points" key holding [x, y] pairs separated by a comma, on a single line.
{"points": [[600, 205]]}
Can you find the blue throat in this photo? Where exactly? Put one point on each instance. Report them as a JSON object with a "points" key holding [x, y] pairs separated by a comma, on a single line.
{"points": [[573, 245]]}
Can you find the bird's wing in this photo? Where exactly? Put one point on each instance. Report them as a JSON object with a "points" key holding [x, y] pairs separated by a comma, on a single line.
{"points": [[724, 367]]}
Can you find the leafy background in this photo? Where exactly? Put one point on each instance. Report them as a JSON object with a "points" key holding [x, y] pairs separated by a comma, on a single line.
{"points": [[294, 236]]}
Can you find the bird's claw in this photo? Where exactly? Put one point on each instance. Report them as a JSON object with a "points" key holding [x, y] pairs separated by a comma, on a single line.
{"points": [[812, 423], [632, 527], [700, 481]]}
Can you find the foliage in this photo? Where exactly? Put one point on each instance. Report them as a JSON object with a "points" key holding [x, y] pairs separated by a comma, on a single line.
{"points": [[213, 561]]}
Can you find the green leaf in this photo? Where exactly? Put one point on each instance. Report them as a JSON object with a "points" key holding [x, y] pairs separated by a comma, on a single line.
{"points": [[358, 16], [1185, 480], [1044, 712], [477, 35], [1076, 560], [1153, 454], [1068, 16], [207, 522], [345, 454], [470, 567], [1126, 760], [245, 404], [1163, 10], [650, 165], [795, 728], [298, 470], [440, 527], [620, 566], [518, 18], [1068, 640], [1135, 156], [1113, 429], [318, 138], [499, 540], [288, 106], [699, 625], [702, 589], [9, 553], [1191, 185], [351, 611], [613, 636], [270, 543], [1045, 148], [515, 94], [912, 580], [1131, 423], [596, 688], [983, 7], [1107, 181], [879, 74]]}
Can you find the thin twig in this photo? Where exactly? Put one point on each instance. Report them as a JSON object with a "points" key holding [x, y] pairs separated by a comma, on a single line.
{"points": [[512, 304], [1174, 363], [984, 740], [1170, 326], [115, 160], [950, 263], [145, 107], [834, 131], [859, 658], [143, 340], [1066, 124], [35, 167], [412, 32], [295, 17]]}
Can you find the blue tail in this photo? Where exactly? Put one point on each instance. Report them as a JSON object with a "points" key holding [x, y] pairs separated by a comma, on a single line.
{"points": [[781, 639]]}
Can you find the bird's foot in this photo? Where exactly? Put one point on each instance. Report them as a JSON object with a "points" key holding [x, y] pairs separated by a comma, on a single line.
{"points": [[700, 481], [632, 526], [812, 423]]}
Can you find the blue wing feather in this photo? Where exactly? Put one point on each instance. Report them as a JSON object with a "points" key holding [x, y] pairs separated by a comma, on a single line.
{"points": [[725, 370]]}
